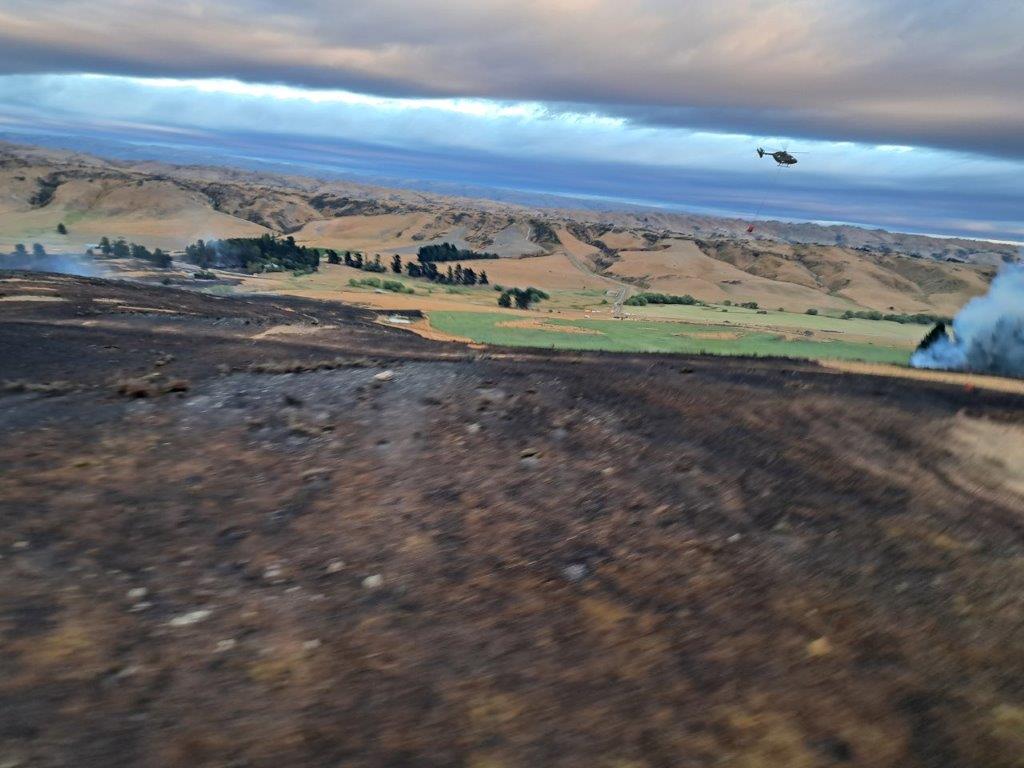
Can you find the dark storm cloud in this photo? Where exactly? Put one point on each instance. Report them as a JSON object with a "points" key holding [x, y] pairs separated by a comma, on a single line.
{"points": [[944, 73]]}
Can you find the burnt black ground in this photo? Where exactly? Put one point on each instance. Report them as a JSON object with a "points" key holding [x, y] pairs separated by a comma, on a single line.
{"points": [[492, 558]]}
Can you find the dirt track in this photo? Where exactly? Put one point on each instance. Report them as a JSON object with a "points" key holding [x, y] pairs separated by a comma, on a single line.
{"points": [[491, 558]]}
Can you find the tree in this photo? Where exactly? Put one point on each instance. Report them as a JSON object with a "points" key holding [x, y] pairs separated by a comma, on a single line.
{"points": [[266, 253], [139, 252], [522, 299], [505, 300], [161, 259], [38, 250], [376, 261], [19, 249], [199, 254], [333, 257], [105, 247], [483, 277], [121, 249], [61, 229], [348, 258], [812, 311], [396, 264]]}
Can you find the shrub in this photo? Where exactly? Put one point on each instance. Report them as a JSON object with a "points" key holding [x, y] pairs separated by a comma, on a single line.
{"points": [[366, 282], [204, 274], [522, 297], [811, 312], [375, 282], [44, 194], [395, 286]]}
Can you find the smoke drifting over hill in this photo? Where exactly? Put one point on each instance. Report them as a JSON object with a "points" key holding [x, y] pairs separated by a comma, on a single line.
{"points": [[988, 331]]}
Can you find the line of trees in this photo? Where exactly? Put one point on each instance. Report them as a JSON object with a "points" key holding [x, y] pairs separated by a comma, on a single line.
{"points": [[266, 253], [449, 252], [452, 275], [645, 298], [874, 314], [427, 270], [424, 267], [121, 249], [356, 260]]}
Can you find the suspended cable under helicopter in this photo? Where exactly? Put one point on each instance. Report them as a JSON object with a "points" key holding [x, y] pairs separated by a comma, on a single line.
{"points": [[783, 159]]}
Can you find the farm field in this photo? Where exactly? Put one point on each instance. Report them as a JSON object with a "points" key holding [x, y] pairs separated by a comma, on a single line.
{"points": [[535, 330], [332, 282], [890, 333], [581, 319]]}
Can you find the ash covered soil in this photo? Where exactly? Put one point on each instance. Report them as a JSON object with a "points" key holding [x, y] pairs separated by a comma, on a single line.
{"points": [[275, 532]]}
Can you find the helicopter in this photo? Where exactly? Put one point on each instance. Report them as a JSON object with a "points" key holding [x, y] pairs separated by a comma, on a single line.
{"points": [[782, 157]]}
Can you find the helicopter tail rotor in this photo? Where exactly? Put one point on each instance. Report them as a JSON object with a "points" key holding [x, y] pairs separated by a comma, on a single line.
{"points": [[760, 152]]}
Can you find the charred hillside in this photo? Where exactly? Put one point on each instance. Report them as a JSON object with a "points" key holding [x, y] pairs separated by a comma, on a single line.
{"points": [[275, 532]]}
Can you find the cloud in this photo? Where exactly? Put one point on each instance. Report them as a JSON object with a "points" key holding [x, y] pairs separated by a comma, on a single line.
{"points": [[487, 148], [945, 73]]}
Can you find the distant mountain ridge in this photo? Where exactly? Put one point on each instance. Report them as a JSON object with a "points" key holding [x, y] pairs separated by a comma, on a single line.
{"points": [[779, 265]]}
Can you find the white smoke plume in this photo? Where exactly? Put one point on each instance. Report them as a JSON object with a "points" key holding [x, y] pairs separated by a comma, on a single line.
{"points": [[62, 263], [988, 333]]}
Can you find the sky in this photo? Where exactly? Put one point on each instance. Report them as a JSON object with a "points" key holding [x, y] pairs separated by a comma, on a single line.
{"points": [[907, 114]]}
